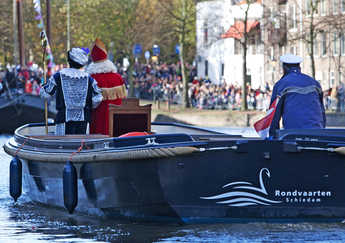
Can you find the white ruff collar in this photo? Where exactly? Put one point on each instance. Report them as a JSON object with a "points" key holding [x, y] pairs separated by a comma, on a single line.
{"points": [[73, 73], [101, 67]]}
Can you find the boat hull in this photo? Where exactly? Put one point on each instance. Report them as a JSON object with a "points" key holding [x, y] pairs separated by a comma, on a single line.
{"points": [[23, 109], [259, 180], [196, 176]]}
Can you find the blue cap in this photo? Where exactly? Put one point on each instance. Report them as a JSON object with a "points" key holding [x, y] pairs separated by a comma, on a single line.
{"points": [[291, 59]]}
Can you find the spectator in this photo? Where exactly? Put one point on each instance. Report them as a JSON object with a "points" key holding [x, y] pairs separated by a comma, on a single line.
{"points": [[340, 96]]}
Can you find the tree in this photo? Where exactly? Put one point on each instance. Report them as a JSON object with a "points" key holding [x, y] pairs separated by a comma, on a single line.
{"points": [[6, 31], [133, 19], [123, 22], [337, 38], [245, 31], [181, 19], [312, 28]]}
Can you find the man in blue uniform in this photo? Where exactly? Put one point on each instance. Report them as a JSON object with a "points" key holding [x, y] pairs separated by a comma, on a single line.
{"points": [[301, 98], [75, 92]]}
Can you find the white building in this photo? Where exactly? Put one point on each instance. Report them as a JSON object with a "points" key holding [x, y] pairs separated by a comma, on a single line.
{"points": [[281, 27], [219, 55]]}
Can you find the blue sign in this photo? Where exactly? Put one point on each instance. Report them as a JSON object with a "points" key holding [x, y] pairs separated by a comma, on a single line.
{"points": [[156, 50], [136, 51], [177, 48], [147, 54]]}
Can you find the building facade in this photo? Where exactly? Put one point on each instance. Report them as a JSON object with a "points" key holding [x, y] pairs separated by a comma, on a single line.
{"points": [[219, 52], [312, 29]]}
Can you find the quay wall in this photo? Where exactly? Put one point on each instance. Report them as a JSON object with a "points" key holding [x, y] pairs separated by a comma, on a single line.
{"points": [[228, 118]]}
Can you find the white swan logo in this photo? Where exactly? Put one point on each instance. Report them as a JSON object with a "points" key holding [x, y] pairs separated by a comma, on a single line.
{"points": [[237, 198]]}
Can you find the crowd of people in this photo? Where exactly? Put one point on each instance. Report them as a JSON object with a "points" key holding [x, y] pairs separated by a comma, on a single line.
{"points": [[163, 82]]}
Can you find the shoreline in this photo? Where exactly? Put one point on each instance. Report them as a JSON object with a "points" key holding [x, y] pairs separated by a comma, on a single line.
{"points": [[220, 118]]}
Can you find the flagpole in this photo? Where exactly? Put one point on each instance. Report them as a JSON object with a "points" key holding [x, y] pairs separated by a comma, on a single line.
{"points": [[44, 44], [68, 27], [15, 42]]}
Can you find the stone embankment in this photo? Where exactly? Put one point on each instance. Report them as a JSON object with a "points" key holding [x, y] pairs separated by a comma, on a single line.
{"points": [[221, 118], [208, 118]]}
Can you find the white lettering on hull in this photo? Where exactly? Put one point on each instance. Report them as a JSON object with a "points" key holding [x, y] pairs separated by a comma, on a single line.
{"points": [[244, 194]]}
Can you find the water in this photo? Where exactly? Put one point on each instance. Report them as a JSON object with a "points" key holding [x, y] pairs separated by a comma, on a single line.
{"points": [[244, 131], [26, 222]]}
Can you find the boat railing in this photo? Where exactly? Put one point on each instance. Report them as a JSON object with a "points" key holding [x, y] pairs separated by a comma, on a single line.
{"points": [[70, 137], [311, 134]]}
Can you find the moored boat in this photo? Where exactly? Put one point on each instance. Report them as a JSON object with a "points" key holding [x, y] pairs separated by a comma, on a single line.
{"points": [[18, 109], [183, 174]]}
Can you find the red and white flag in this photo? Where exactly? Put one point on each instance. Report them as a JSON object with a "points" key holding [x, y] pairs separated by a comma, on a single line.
{"points": [[262, 126]]}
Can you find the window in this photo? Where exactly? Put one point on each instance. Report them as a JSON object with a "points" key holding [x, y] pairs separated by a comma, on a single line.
{"points": [[307, 7], [251, 47], [307, 39], [271, 10], [339, 77], [324, 77], [206, 67], [258, 46], [238, 47], [342, 43], [342, 6], [316, 46], [316, 6], [318, 76], [312, 6], [335, 43], [293, 50], [323, 7], [323, 43], [332, 78], [222, 69], [335, 6], [278, 20], [205, 33], [293, 20], [271, 57]]}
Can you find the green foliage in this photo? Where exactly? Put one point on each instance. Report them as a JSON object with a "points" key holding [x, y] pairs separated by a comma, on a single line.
{"points": [[124, 22], [6, 31]]}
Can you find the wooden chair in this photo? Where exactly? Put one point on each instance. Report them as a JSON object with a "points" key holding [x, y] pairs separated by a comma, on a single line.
{"points": [[129, 117]]}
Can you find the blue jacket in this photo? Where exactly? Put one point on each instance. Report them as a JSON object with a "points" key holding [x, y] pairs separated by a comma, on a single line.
{"points": [[301, 102]]}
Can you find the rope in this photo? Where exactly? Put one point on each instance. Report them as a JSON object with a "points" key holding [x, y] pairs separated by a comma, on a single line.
{"points": [[99, 156], [78, 151], [21, 146], [340, 150]]}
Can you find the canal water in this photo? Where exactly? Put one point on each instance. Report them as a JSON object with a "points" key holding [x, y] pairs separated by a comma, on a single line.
{"points": [[26, 222]]}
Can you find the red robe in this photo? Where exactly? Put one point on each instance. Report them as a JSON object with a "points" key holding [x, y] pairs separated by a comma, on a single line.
{"points": [[113, 90]]}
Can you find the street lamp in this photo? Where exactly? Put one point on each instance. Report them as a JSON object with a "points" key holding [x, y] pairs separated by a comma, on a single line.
{"points": [[273, 64]]}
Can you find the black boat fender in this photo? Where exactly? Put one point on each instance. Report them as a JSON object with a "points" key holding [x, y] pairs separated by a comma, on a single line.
{"points": [[16, 175], [15, 178], [70, 186], [70, 183]]}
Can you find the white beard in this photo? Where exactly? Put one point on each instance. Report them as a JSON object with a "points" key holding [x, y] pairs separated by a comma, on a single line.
{"points": [[101, 67]]}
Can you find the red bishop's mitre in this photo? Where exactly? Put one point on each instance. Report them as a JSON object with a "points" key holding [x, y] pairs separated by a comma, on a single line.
{"points": [[98, 51]]}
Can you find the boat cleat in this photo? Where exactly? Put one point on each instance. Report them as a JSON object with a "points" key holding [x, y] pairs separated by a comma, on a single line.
{"points": [[151, 141]]}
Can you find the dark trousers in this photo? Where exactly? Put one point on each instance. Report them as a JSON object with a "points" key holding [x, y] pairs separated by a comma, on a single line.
{"points": [[75, 127]]}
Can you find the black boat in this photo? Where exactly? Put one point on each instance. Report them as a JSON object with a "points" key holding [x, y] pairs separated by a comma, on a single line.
{"points": [[183, 174], [17, 109]]}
